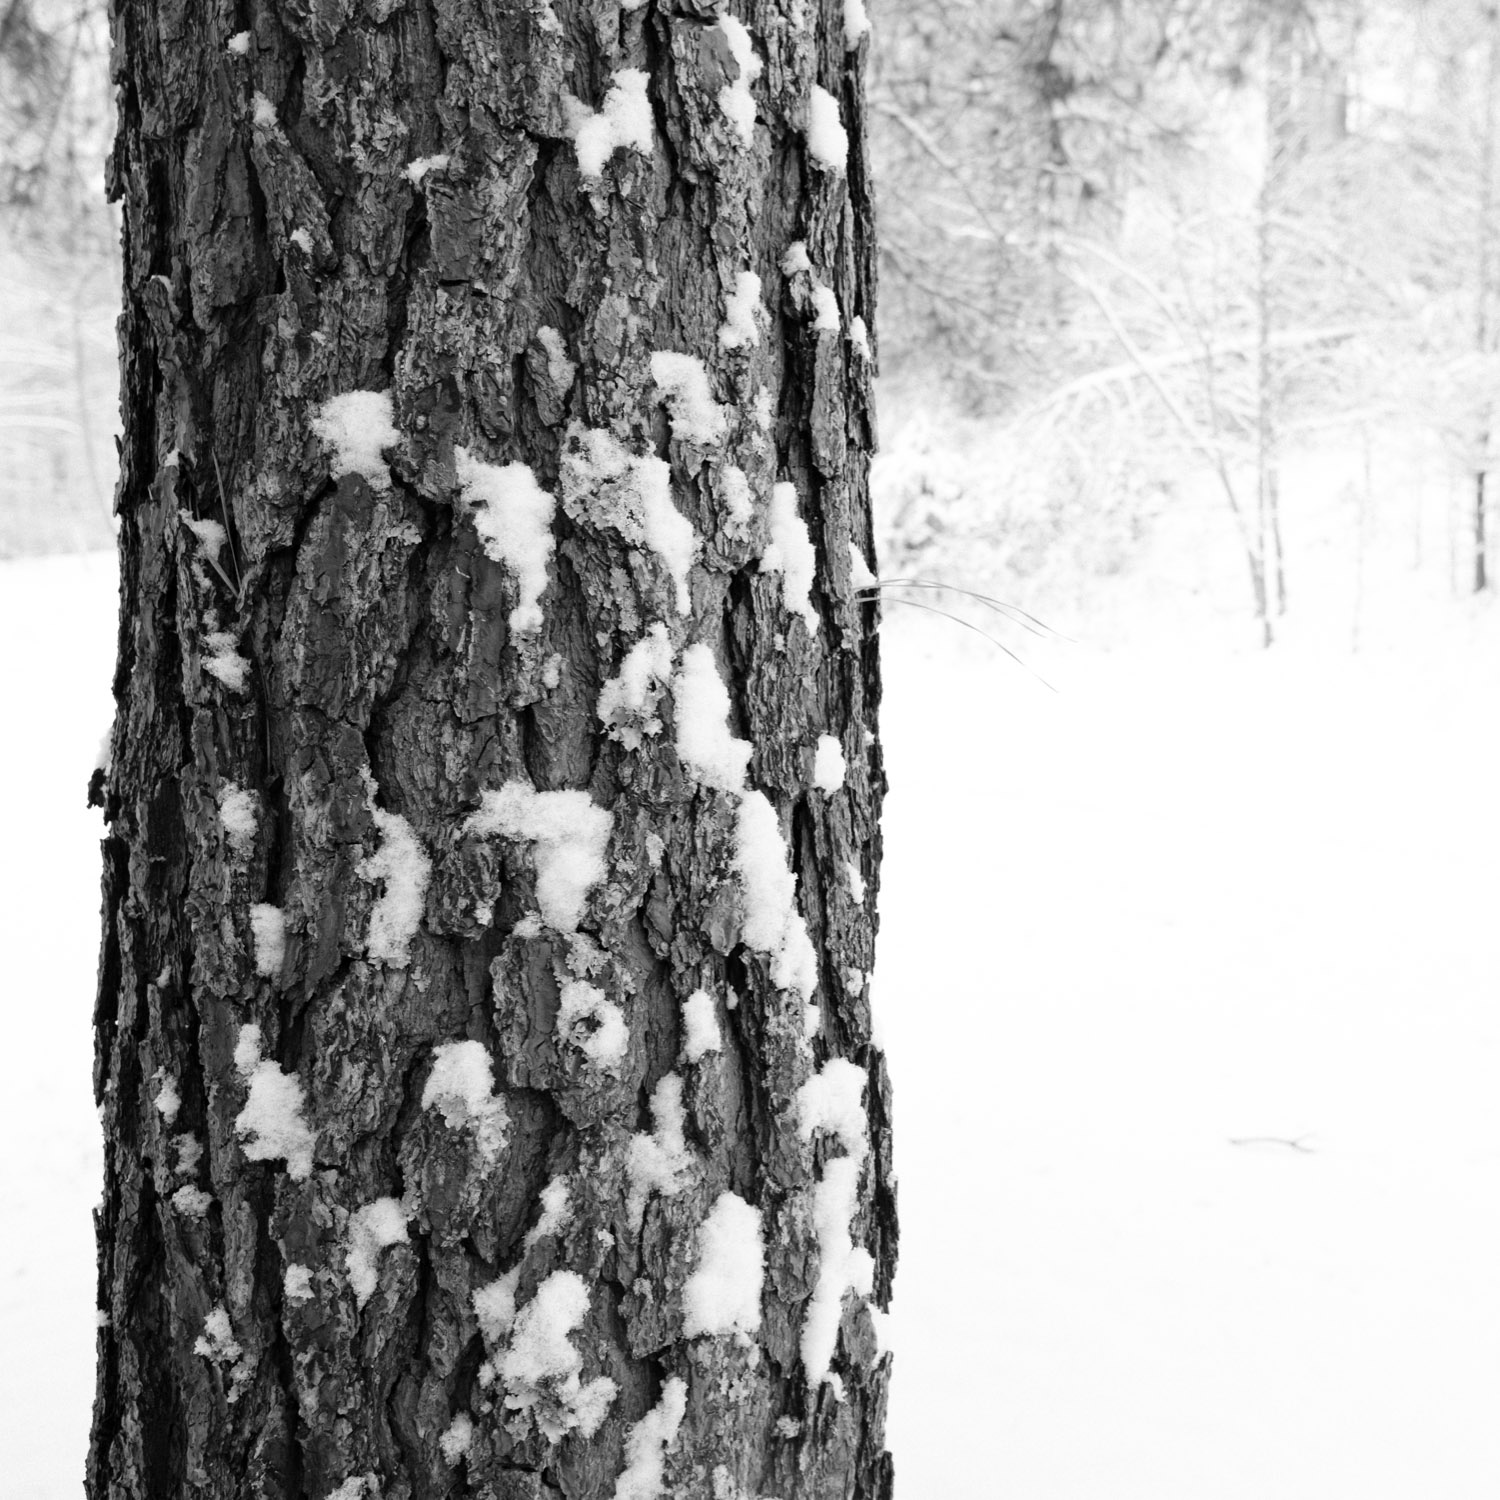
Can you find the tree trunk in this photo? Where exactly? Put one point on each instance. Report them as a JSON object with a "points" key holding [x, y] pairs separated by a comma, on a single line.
{"points": [[469, 1010]]}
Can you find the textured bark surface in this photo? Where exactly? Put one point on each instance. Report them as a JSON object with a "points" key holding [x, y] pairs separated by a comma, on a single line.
{"points": [[279, 254]]}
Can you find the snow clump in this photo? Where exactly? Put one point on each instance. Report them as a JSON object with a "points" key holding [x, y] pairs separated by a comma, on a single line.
{"points": [[624, 119], [569, 834], [739, 329], [628, 701], [658, 1162], [604, 481], [826, 306], [372, 1229], [829, 766], [832, 1100], [541, 1369], [462, 1086], [827, 140], [860, 576], [723, 1293], [696, 416], [856, 23], [217, 1341], [237, 816], [224, 661], [168, 1100], [359, 426], [593, 1024], [646, 1444], [457, 1439], [734, 488], [772, 924], [715, 757], [402, 864], [735, 99], [192, 1201], [557, 1211], [268, 933], [513, 516], [700, 1027], [859, 337], [422, 166], [795, 259], [791, 553], [211, 535], [271, 1126]]}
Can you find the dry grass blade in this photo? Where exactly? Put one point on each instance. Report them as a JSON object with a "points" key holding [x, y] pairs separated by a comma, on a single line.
{"points": [[1011, 612], [969, 625]]}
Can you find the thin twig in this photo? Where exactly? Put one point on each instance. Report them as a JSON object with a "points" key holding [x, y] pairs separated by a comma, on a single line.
{"points": [[1293, 1143]]}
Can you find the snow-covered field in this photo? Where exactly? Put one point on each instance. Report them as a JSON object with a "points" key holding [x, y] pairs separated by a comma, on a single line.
{"points": [[1138, 937]]}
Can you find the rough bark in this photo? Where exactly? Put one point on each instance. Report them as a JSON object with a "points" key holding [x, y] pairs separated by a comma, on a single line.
{"points": [[278, 254]]}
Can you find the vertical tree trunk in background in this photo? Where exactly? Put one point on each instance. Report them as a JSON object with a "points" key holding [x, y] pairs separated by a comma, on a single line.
{"points": [[1484, 334], [467, 1004]]}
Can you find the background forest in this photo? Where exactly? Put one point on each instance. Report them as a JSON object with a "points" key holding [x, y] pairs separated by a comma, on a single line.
{"points": [[1188, 317], [1189, 344]]}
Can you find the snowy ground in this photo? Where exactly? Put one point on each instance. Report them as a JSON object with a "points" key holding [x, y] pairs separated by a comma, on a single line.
{"points": [[1183, 903]]}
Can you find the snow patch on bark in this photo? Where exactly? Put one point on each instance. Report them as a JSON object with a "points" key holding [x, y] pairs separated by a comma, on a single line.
{"points": [[740, 328], [462, 1086], [373, 1228], [237, 816], [700, 1027], [513, 515], [569, 835], [268, 934], [735, 99], [833, 1100], [696, 416], [632, 494], [723, 1293], [829, 766], [594, 1025], [542, 1370], [739, 503], [658, 1162], [624, 119], [715, 757], [271, 1126], [827, 140], [628, 701], [224, 662], [646, 1444], [790, 552], [772, 924], [358, 426], [402, 865]]}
